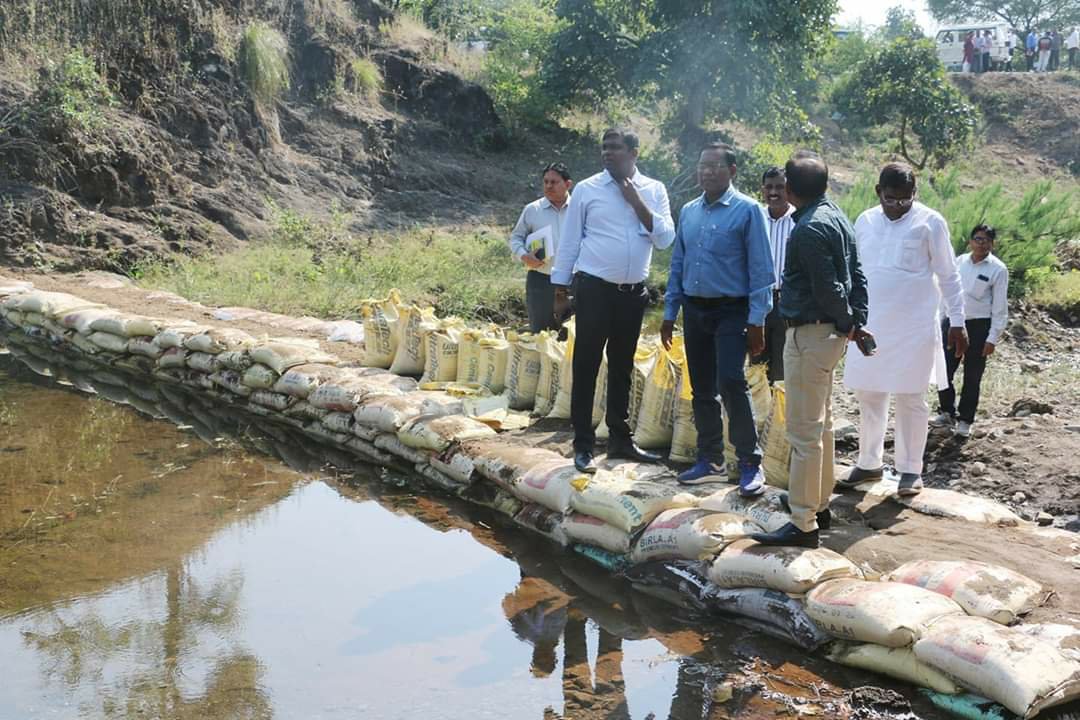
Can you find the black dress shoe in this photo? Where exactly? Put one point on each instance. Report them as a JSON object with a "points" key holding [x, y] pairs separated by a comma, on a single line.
{"points": [[584, 463], [824, 519], [630, 451], [788, 536]]}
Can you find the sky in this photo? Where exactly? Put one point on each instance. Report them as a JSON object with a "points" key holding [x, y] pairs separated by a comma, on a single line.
{"points": [[872, 12]]}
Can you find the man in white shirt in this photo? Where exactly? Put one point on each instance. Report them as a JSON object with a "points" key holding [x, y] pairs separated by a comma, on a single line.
{"points": [[1072, 44], [537, 231], [906, 255], [985, 280], [613, 221], [780, 223]]}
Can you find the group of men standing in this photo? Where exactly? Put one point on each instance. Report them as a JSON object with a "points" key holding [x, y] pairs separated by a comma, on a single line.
{"points": [[790, 282], [1043, 53]]}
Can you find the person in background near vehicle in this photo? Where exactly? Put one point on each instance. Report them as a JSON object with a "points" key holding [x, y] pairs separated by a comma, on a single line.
{"points": [[986, 286], [722, 279], [613, 221], [1010, 43], [980, 43], [778, 214], [823, 300], [1045, 44], [1056, 41], [907, 256], [969, 52], [1072, 44], [527, 243], [1031, 48], [987, 49]]}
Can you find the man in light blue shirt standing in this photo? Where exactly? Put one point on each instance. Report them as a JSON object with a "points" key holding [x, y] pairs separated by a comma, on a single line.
{"points": [[722, 278], [613, 221]]}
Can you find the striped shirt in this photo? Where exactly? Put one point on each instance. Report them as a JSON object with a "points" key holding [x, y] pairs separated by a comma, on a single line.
{"points": [[779, 232]]}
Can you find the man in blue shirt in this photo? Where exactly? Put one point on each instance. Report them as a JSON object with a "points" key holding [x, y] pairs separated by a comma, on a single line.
{"points": [[722, 278]]}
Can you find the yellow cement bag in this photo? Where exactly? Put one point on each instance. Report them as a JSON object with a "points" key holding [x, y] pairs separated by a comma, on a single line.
{"points": [[1023, 673], [548, 484], [127, 325], [389, 412], [552, 356], [468, 362], [899, 663], [413, 324], [983, 590], [645, 357], [560, 407], [218, 340], [766, 510], [689, 534], [259, 377], [684, 435], [438, 432], [623, 502], [522, 372], [586, 529], [656, 416], [794, 570], [883, 613], [441, 353], [494, 353], [110, 342], [380, 318], [775, 447]]}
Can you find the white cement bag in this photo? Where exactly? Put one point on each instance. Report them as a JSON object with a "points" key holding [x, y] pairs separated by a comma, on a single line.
{"points": [[237, 360], [522, 372], [173, 358], [494, 356], [1065, 638], [505, 464], [272, 400], [175, 335], [541, 520], [438, 432], [260, 377], [560, 407], [366, 450], [586, 529], [303, 410], [50, 304], [380, 319], [623, 502], [128, 326], [884, 613], [767, 509], [983, 590], [389, 412], [548, 484], [413, 324], [145, 346], [217, 340], [231, 381], [282, 356], [456, 465], [689, 534], [394, 446], [301, 380], [1022, 673], [203, 362], [952, 504], [80, 320], [345, 393], [656, 416], [552, 355], [110, 342], [441, 354], [338, 422], [899, 663], [794, 570]]}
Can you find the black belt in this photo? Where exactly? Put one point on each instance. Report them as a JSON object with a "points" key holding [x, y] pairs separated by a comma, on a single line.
{"points": [[799, 322], [714, 302], [620, 287]]}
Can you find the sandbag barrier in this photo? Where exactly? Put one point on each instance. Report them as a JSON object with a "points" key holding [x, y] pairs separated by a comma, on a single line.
{"points": [[944, 625]]}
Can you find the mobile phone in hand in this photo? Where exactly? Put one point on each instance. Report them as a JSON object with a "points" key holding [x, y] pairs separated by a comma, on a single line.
{"points": [[866, 344]]}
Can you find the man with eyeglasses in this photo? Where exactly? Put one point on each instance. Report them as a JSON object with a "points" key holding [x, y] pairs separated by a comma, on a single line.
{"points": [[721, 278], [907, 256]]}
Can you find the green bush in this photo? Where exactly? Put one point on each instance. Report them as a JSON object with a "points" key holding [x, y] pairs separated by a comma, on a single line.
{"points": [[72, 93], [366, 77], [264, 62]]}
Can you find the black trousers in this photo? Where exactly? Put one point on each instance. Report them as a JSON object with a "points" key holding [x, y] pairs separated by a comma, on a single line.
{"points": [[605, 316], [540, 301], [974, 365], [775, 332]]}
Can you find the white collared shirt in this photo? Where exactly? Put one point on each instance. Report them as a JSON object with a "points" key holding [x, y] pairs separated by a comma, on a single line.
{"points": [[986, 292], [602, 235], [538, 214], [779, 231]]}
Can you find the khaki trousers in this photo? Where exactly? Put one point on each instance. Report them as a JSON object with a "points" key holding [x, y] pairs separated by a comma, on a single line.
{"points": [[810, 357]]}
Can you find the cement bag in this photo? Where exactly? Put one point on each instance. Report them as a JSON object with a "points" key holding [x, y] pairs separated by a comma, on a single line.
{"points": [[217, 340], [775, 447], [380, 330], [388, 412], [684, 435], [494, 354], [560, 407], [899, 663], [259, 377], [775, 613], [441, 354], [548, 484], [983, 590], [237, 360], [1022, 673], [80, 320], [175, 336], [689, 534], [645, 358], [438, 432], [272, 400], [552, 356], [1065, 638], [626, 503], [282, 356], [656, 416], [468, 361], [338, 422], [172, 359], [952, 504], [413, 324], [203, 362], [794, 570], [456, 465], [366, 450], [231, 381], [50, 304], [125, 325], [144, 346], [522, 372], [110, 342], [505, 464], [884, 613], [599, 405], [768, 510], [586, 529], [303, 410], [439, 479], [761, 394], [345, 393], [541, 520], [394, 446], [301, 380]]}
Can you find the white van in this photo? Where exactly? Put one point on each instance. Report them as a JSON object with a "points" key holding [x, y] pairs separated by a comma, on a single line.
{"points": [[950, 45]]}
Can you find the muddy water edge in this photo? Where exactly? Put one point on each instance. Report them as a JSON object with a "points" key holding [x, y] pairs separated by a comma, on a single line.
{"points": [[159, 560]]}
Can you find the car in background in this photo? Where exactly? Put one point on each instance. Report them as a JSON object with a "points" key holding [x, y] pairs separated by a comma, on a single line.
{"points": [[950, 45]]}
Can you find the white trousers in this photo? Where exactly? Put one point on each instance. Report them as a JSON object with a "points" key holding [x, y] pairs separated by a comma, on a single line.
{"points": [[912, 415]]}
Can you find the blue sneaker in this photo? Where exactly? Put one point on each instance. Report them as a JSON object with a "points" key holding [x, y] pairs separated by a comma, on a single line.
{"points": [[751, 479], [703, 471]]}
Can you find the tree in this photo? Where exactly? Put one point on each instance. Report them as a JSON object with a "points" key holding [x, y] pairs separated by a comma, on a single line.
{"points": [[904, 83], [710, 60], [1017, 14], [900, 23]]}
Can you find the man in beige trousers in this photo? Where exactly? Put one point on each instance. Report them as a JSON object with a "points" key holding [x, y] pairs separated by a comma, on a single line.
{"points": [[823, 302]]}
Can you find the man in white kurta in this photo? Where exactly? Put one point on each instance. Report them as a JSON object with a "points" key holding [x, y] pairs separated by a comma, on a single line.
{"points": [[907, 256]]}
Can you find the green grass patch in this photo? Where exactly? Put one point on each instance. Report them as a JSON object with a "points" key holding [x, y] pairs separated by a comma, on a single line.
{"points": [[366, 77], [264, 62], [72, 93], [1060, 291]]}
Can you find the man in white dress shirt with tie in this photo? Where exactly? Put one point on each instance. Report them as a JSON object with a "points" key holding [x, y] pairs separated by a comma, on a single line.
{"points": [[613, 221], [907, 256]]}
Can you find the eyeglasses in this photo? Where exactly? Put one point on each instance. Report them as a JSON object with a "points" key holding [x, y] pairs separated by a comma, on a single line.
{"points": [[898, 202], [982, 239]]}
